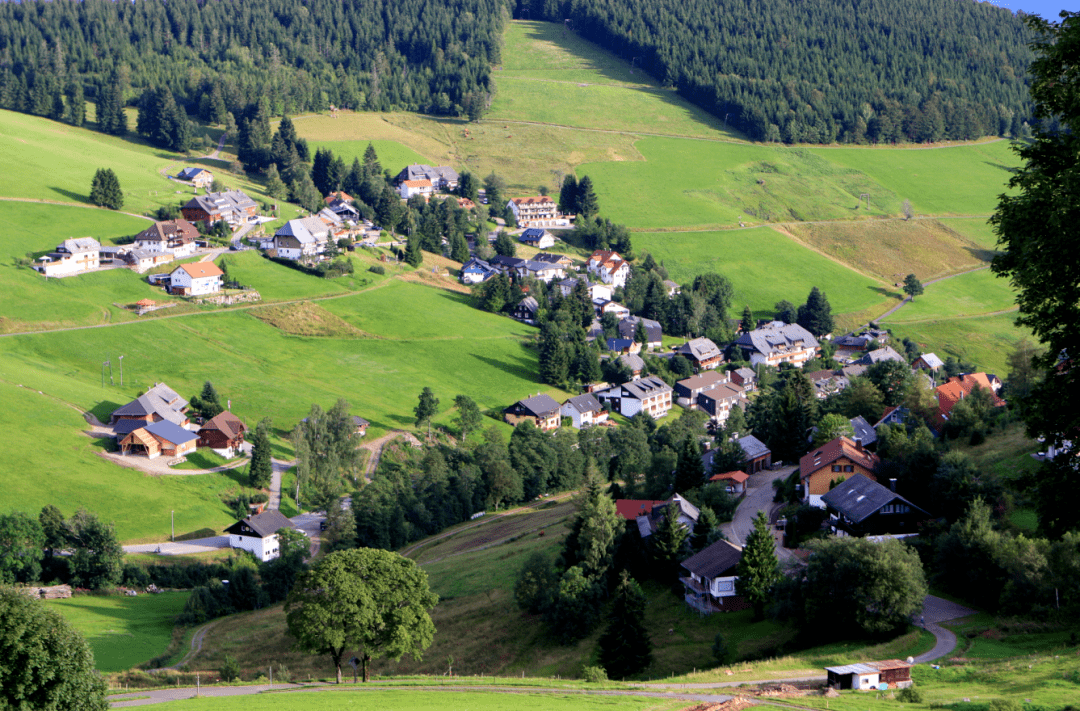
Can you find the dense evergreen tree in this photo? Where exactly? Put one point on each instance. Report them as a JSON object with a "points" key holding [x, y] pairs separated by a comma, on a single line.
{"points": [[261, 468], [586, 201], [758, 569], [105, 190], [816, 314], [568, 195], [162, 121], [625, 647]]}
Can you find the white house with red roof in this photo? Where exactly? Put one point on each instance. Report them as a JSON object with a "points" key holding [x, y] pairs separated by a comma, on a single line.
{"points": [[195, 279], [408, 188], [609, 267]]}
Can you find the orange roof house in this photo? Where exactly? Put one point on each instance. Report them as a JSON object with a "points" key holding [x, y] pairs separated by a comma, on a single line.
{"points": [[838, 459], [956, 389], [736, 481], [630, 509]]}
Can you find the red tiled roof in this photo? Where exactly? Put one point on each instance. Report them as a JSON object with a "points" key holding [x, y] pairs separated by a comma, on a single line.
{"points": [[201, 269], [733, 476], [957, 388], [630, 509], [531, 200], [417, 183], [829, 452]]}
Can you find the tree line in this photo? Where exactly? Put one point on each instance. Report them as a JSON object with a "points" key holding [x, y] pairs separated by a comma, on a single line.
{"points": [[874, 71], [215, 58]]}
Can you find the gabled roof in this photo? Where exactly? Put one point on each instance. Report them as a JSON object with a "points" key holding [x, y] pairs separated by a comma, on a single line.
{"points": [[476, 264], [533, 234], [538, 200], [753, 447], [78, 245], [715, 561], [170, 432], [169, 230], [360, 421], [630, 509], [777, 337], [530, 304], [584, 403], [739, 477], [708, 379], [864, 431], [646, 387], [746, 373], [306, 230], [632, 361], [159, 400], [881, 355], [829, 452], [858, 497], [509, 262], [189, 173], [654, 332], [932, 361], [699, 349], [199, 270], [422, 183], [551, 258], [532, 266], [227, 423], [724, 391], [539, 406], [958, 387], [265, 524]]}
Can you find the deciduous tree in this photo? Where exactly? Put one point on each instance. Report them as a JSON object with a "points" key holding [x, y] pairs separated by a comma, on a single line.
{"points": [[426, 408], [912, 286]]}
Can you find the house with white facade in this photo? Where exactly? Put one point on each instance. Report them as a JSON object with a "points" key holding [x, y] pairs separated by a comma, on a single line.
{"points": [[174, 236], [537, 237], [302, 238], [72, 256], [584, 411], [258, 534], [441, 177], [475, 271], [778, 342], [195, 279], [650, 395], [199, 177], [609, 267], [408, 188], [539, 211], [709, 582], [541, 270]]}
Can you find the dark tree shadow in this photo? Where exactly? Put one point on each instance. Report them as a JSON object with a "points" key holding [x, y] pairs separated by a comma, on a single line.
{"points": [[79, 197]]}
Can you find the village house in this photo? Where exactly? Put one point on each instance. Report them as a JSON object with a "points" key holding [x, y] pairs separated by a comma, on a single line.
{"points": [[864, 432], [654, 332], [609, 268], [957, 388], [476, 271], [630, 509], [860, 506], [881, 355], [756, 455], [361, 425], [648, 522], [537, 237], [718, 402], [735, 481], [303, 238], [623, 345], [702, 353], [827, 382], [688, 389], [441, 177], [409, 188], [560, 259], [672, 288], [869, 676], [232, 206], [779, 342], [542, 410], [158, 403], [159, 438], [199, 177], [140, 260], [223, 433], [584, 411], [195, 279], [838, 459], [635, 363], [927, 362], [539, 211], [611, 307], [72, 256], [650, 395], [175, 236], [541, 270], [709, 585], [509, 266], [342, 204], [527, 310], [258, 534], [849, 345], [746, 378]]}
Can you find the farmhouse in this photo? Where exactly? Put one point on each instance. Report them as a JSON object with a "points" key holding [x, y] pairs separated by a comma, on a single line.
{"points": [[441, 177], [584, 411], [195, 279], [779, 342], [361, 425], [159, 438], [72, 256], [176, 236], [702, 353], [541, 410], [199, 177], [542, 270], [859, 506], [159, 403], [232, 206], [539, 211], [709, 585], [527, 310], [223, 432], [839, 459], [654, 333], [300, 238], [650, 395], [608, 267], [258, 534], [409, 188], [537, 237]]}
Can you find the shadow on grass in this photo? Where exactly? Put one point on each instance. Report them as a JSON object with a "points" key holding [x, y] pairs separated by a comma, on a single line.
{"points": [[983, 255], [104, 409], [886, 292], [77, 197], [525, 371]]}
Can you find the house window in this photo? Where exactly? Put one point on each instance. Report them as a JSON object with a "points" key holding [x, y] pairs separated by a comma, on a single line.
{"points": [[849, 468], [836, 467]]}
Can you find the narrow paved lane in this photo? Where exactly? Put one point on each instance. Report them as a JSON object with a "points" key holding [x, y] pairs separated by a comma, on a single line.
{"points": [[935, 610]]}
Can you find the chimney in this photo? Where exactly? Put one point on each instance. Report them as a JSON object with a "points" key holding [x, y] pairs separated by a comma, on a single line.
{"points": [[858, 443], [892, 485]]}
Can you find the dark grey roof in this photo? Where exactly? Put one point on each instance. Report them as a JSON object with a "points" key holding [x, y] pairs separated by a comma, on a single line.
{"points": [[777, 337], [753, 447], [584, 403], [475, 262], [533, 234], [359, 421], [699, 349], [160, 400], [534, 266], [539, 405], [511, 262], [864, 431], [716, 560], [550, 259], [528, 303], [265, 524], [617, 344], [881, 355], [646, 387], [653, 331], [632, 361], [858, 497]]}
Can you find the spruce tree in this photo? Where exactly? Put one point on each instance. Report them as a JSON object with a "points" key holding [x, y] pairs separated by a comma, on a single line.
{"points": [[413, 256], [372, 167], [625, 647], [304, 192], [261, 468], [587, 203], [76, 104], [669, 543], [568, 195], [275, 188], [816, 314], [505, 245], [689, 472], [758, 568], [459, 248], [748, 322], [426, 408], [105, 190]]}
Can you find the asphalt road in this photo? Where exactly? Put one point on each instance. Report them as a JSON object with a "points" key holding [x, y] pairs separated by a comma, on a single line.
{"points": [[759, 496]]}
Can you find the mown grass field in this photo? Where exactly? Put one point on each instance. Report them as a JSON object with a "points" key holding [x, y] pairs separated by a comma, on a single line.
{"points": [[393, 156], [971, 294], [985, 341], [123, 631], [764, 266]]}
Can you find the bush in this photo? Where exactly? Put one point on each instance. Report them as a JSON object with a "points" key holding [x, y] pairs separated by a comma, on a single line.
{"points": [[135, 576], [720, 650], [230, 669], [595, 675], [282, 674], [377, 269], [910, 695]]}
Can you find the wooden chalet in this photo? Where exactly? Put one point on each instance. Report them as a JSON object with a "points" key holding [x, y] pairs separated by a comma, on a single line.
{"points": [[224, 431]]}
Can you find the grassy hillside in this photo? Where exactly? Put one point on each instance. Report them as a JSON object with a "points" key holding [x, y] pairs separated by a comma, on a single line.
{"points": [[985, 340], [393, 156], [972, 294], [123, 631]]}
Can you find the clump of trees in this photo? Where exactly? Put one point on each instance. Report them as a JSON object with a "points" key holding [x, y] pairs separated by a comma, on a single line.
{"points": [[105, 190], [31, 547], [327, 451]]}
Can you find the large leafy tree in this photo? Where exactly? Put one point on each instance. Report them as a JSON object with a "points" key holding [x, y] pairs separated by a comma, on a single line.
{"points": [[365, 600], [469, 417], [98, 558], [625, 647], [758, 568], [44, 662], [1036, 227], [22, 543]]}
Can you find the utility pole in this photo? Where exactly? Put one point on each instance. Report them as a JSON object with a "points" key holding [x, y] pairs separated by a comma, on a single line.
{"points": [[172, 514]]}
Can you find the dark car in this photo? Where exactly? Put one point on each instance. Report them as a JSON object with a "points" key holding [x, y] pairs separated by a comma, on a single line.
{"points": [[323, 525]]}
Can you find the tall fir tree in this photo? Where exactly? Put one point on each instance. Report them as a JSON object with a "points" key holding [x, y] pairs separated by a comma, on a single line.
{"points": [[587, 203], [105, 190], [816, 314], [568, 195], [261, 468], [625, 647], [758, 570]]}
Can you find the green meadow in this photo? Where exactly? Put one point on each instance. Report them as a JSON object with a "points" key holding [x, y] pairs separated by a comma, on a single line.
{"points": [[985, 341], [763, 266], [123, 631], [393, 156], [971, 294]]}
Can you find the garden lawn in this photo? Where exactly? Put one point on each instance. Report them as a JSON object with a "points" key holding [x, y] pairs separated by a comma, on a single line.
{"points": [[57, 162], [763, 266], [57, 464], [123, 631], [985, 341], [413, 700], [956, 180], [971, 294]]}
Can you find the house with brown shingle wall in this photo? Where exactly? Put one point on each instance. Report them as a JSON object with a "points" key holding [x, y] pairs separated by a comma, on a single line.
{"points": [[839, 459]]}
